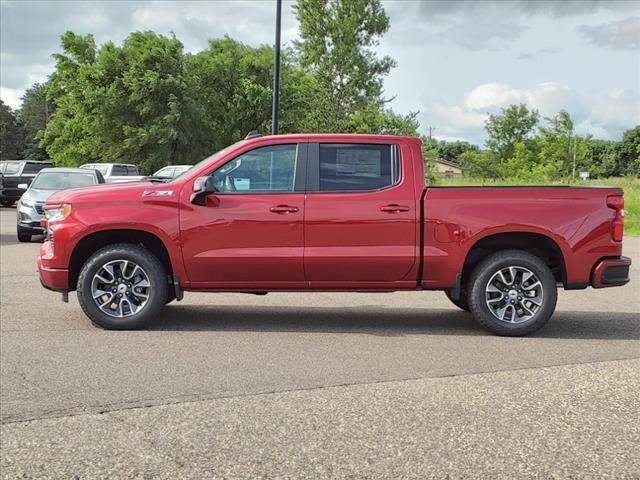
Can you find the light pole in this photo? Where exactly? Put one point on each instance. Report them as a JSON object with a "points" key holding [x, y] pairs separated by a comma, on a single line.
{"points": [[275, 113]]}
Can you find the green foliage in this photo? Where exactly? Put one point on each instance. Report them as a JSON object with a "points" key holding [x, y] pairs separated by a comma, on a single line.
{"points": [[629, 152], [336, 40], [479, 164], [11, 134], [515, 124], [120, 104], [34, 116]]}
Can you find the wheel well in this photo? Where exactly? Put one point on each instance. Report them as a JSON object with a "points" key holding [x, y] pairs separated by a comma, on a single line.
{"points": [[539, 245], [94, 242]]}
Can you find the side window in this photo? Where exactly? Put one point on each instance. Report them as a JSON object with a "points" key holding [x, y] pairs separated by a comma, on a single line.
{"points": [[119, 171], [132, 170], [12, 168], [358, 167], [268, 169]]}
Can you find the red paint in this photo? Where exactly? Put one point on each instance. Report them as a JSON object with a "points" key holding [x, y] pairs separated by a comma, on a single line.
{"points": [[400, 238]]}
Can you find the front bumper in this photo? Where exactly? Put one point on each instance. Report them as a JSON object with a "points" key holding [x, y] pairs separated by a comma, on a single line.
{"points": [[29, 217], [56, 279], [611, 272]]}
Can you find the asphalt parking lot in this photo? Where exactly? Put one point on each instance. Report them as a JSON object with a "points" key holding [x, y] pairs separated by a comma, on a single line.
{"points": [[398, 385]]}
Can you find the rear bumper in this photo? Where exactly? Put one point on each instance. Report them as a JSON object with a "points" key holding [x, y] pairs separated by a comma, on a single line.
{"points": [[611, 272], [56, 279]]}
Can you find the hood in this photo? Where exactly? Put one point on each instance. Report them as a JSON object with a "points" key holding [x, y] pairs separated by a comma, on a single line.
{"points": [[37, 195], [105, 192]]}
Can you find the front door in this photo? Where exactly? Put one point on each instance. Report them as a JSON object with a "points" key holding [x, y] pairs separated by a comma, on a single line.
{"points": [[249, 234], [360, 217]]}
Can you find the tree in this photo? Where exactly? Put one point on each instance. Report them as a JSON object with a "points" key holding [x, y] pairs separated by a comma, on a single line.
{"points": [[34, 116], [629, 152], [230, 84], [336, 43], [514, 124], [11, 134], [480, 164], [120, 104]]}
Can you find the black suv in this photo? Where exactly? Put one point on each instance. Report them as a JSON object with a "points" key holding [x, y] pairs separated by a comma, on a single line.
{"points": [[14, 173]]}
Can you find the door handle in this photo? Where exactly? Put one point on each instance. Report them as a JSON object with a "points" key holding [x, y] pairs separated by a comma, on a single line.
{"points": [[394, 208], [283, 209]]}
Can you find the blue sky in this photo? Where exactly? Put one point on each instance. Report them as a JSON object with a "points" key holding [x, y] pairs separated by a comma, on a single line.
{"points": [[458, 61]]}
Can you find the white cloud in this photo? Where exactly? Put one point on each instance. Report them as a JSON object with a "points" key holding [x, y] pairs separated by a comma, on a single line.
{"points": [[11, 97], [602, 115]]}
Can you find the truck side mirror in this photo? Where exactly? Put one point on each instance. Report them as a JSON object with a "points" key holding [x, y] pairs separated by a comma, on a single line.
{"points": [[202, 187], [23, 186]]}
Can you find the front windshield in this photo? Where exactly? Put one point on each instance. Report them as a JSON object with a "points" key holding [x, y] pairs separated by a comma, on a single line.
{"points": [[62, 180], [207, 160]]}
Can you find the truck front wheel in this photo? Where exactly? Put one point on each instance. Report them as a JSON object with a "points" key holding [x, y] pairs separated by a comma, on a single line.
{"points": [[512, 293], [122, 286]]}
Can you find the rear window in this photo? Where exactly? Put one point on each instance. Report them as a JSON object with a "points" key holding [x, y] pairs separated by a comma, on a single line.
{"points": [[119, 171], [357, 167], [132, 170], [31, 168]]}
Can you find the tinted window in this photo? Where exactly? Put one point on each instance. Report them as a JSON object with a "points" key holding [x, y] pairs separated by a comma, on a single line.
{"points": [[12, 168], [132, 170], [31, 168], [119, 171], [356, 167], [265, 169]]}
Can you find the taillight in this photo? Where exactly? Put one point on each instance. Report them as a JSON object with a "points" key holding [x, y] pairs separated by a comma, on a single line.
{"points": [[616, 202]]}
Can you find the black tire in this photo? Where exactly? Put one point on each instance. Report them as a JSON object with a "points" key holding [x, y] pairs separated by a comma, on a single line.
{"points": [[461, 302], [7, 203], [23, 235], [477, 293], [157, 276]]}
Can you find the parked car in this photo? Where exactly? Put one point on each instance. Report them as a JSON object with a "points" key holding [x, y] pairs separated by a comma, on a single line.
{"points": [[330, 213], [48, 181], [116, 172], [14, 173], [168, 173]]}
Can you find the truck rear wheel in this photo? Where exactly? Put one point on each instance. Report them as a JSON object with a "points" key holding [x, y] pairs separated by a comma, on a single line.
{"points": [[512, 293], [122, 287], [461, 302]]}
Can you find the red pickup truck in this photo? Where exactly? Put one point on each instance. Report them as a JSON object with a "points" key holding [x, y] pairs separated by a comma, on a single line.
{"points": [[329, 213]]}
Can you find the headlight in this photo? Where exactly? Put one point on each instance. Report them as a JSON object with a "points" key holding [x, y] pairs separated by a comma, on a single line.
{"points": [[27, 202], [57, 214]]}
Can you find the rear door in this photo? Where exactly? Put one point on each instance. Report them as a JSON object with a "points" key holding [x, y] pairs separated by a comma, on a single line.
{"points": [[360, 216], [250, 235]]}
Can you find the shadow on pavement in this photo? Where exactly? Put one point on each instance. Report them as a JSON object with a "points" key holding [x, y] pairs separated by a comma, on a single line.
{"points": [[12, 239], [383, 321]]}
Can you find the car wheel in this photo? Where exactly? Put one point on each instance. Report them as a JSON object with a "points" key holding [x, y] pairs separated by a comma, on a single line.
{"points": [[23, 235], [7, 203], [461, 302], [122, 287], [512, 293]]}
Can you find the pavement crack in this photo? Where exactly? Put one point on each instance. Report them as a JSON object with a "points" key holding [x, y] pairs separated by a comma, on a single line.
{"points": [[180, 400]]}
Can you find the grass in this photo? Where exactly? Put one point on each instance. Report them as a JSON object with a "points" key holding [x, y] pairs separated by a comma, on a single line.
{"points": [[630, 185]]}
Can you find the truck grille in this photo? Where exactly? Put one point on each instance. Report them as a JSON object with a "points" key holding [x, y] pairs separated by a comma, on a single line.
{"points": [[39, 208]]}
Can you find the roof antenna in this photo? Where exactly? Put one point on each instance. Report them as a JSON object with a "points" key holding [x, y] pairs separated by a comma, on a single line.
{"points": [[253, 134]]}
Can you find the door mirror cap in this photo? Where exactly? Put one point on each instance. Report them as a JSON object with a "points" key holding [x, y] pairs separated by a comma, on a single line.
{"points": [[202, 187], [23, 186]]}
